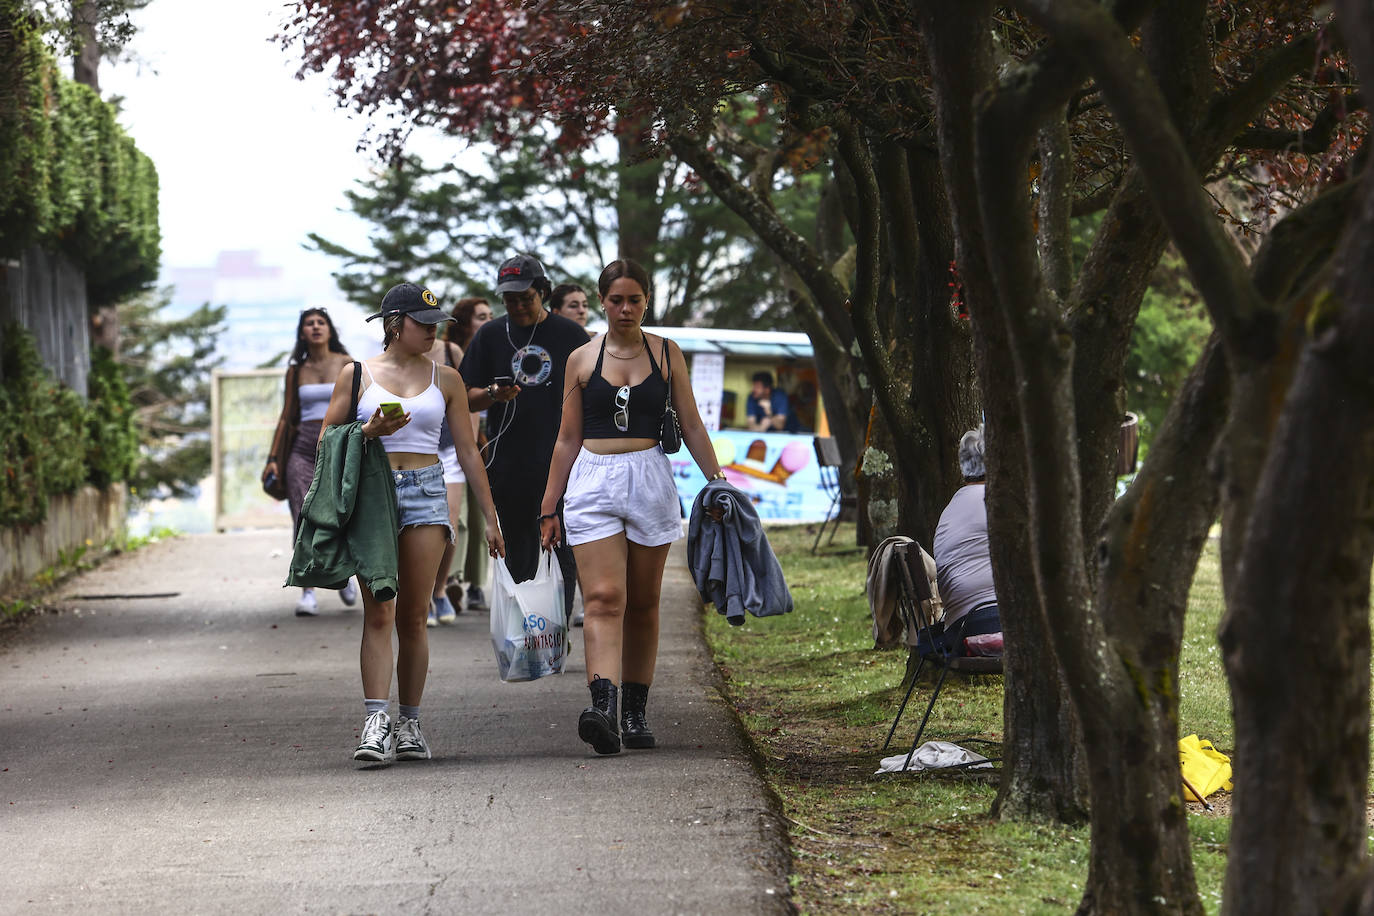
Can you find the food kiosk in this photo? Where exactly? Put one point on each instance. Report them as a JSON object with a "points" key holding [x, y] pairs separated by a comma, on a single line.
{"points": [[778, 470]]}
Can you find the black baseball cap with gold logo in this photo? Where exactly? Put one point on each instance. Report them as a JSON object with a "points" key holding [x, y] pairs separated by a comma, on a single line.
{"points": [[415, 301]]}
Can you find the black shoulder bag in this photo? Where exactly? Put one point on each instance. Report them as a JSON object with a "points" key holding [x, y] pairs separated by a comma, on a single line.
{"points": [[670, 433], [275, 484]]}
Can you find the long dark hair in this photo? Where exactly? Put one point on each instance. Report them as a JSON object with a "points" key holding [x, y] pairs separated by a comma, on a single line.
{"points": [[460, 330], [302, 349], [624, 267]]}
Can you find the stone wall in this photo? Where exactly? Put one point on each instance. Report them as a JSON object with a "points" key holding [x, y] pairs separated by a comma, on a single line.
{"points": [[88, 517]]}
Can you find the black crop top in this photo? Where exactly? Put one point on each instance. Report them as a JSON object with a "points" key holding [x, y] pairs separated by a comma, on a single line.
{"points": [[646, 404]]}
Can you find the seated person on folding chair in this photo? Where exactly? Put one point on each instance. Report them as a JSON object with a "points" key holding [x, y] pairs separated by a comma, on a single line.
{"points": [[962, 560]]}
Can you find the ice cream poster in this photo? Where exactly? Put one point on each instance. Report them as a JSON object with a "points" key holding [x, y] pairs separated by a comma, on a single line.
{"points": [[778, 472]]}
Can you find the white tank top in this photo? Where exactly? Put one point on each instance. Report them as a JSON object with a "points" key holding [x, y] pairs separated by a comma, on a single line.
{"points": [[314, 400], [426, 409]]}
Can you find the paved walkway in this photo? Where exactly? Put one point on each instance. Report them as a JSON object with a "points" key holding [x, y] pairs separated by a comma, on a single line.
{"points": [[191, 753]]}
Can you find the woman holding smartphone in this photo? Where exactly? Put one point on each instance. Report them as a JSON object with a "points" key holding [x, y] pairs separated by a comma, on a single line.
{"points": [[621, 505], [404, 399]]}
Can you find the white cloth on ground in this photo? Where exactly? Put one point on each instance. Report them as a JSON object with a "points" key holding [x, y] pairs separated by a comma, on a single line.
{"points": [[935, 755]]}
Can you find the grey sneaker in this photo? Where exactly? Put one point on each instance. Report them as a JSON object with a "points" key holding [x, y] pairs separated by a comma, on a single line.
{"points": [[410, 743], [476, 600], [379, 740]]}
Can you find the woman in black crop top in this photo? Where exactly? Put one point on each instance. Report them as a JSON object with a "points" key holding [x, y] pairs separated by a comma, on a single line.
{"points": [[621, 511]]}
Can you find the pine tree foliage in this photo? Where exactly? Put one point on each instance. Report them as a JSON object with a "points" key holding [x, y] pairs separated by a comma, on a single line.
{"points": [[167, 364], [449, 226]]}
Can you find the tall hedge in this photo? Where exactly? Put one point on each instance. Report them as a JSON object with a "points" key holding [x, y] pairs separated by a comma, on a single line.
{"points": [[52, 441], [71, 180]]}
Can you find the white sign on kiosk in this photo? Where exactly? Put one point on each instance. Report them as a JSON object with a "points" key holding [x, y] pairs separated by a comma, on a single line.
{"points": [[708, 384]]}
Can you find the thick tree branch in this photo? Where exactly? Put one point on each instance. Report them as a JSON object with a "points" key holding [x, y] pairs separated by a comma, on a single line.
{"points": [[868, 238], [1231, 113], [1055, 204], [1051, 77], [1043, 353], [826, 289], [1303, 242], [1313, 140], [1237, 310], [1159, 526]]}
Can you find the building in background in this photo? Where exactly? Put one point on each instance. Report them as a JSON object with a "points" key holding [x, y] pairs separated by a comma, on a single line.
{"points": [[264, 303]]}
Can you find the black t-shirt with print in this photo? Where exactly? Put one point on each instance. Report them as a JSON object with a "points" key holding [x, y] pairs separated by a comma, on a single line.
{"points": [[535, 357]]}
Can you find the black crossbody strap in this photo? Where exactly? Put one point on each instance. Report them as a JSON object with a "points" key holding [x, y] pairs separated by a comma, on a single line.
{"points": [[668, 361], [353, 401], [294, 388]]}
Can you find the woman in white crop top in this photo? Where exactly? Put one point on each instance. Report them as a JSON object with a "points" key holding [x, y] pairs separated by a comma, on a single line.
{"points": [[427, 395], [316, 360]]}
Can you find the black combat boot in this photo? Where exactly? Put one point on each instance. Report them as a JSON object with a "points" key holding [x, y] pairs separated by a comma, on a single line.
{"points": [[634, 730], [597, 724]]}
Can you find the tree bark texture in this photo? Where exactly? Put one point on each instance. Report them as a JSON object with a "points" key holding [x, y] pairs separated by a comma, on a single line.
{"points": [[1296, 637], [1043, 771], [908, 480], [86, 57], [1258, 648], [638, 201]]}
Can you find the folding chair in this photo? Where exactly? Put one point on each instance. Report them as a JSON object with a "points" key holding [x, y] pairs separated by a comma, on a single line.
{"points": [[829, 460], [912, 600]]}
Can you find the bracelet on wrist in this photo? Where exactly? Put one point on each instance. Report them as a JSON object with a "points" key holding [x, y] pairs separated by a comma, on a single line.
{"points": [[547, 515]]}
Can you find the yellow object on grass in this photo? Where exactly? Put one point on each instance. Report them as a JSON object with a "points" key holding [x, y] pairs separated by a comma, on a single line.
{"points": [[1204, 767]]}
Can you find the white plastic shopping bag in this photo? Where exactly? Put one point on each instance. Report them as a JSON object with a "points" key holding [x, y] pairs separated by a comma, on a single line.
{"points": [[529, 625]]}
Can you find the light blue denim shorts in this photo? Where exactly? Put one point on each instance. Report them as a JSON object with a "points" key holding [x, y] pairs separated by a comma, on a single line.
{"points": [[421, 498]]}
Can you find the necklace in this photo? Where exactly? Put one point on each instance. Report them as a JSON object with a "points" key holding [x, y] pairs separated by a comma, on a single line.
{"points": [[643, 345], [534, 329]]}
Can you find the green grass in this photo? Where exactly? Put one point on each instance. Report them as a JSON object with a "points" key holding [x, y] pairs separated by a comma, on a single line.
{"points": [[817, 700]]}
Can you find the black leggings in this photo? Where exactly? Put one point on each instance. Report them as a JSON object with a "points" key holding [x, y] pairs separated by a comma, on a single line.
{"points": [[517, 506]]}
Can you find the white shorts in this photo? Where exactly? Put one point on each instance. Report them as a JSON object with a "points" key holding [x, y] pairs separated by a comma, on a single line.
{"points": [[633, 493], [453, 471]]}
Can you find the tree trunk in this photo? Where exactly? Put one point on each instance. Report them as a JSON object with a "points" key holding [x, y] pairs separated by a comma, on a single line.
{"points": [[920, 376], [638, 201], [1296, 645], [1296, 637], [86, 57], [1043, 772]]}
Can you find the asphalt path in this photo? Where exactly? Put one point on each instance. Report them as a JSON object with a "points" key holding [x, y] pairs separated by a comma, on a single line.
{"points": [[176, 740]]}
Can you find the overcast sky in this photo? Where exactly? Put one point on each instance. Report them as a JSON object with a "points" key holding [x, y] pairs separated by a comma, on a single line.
{"points": [[248, 156]]}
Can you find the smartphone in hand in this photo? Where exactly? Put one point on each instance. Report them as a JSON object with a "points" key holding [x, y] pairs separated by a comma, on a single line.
{"points": [[391, 408], [503, 381]]}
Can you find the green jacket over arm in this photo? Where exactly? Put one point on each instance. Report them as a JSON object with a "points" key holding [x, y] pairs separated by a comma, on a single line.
{"points": [[349, 519]]}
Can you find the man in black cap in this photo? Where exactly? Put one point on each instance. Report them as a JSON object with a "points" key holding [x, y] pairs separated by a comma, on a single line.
{"points": [[513, 368]]}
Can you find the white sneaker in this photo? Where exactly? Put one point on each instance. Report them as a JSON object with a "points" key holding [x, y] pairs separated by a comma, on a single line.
{"points": [[307, 606], [410, 743], [349, 593], [379, 740]]}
